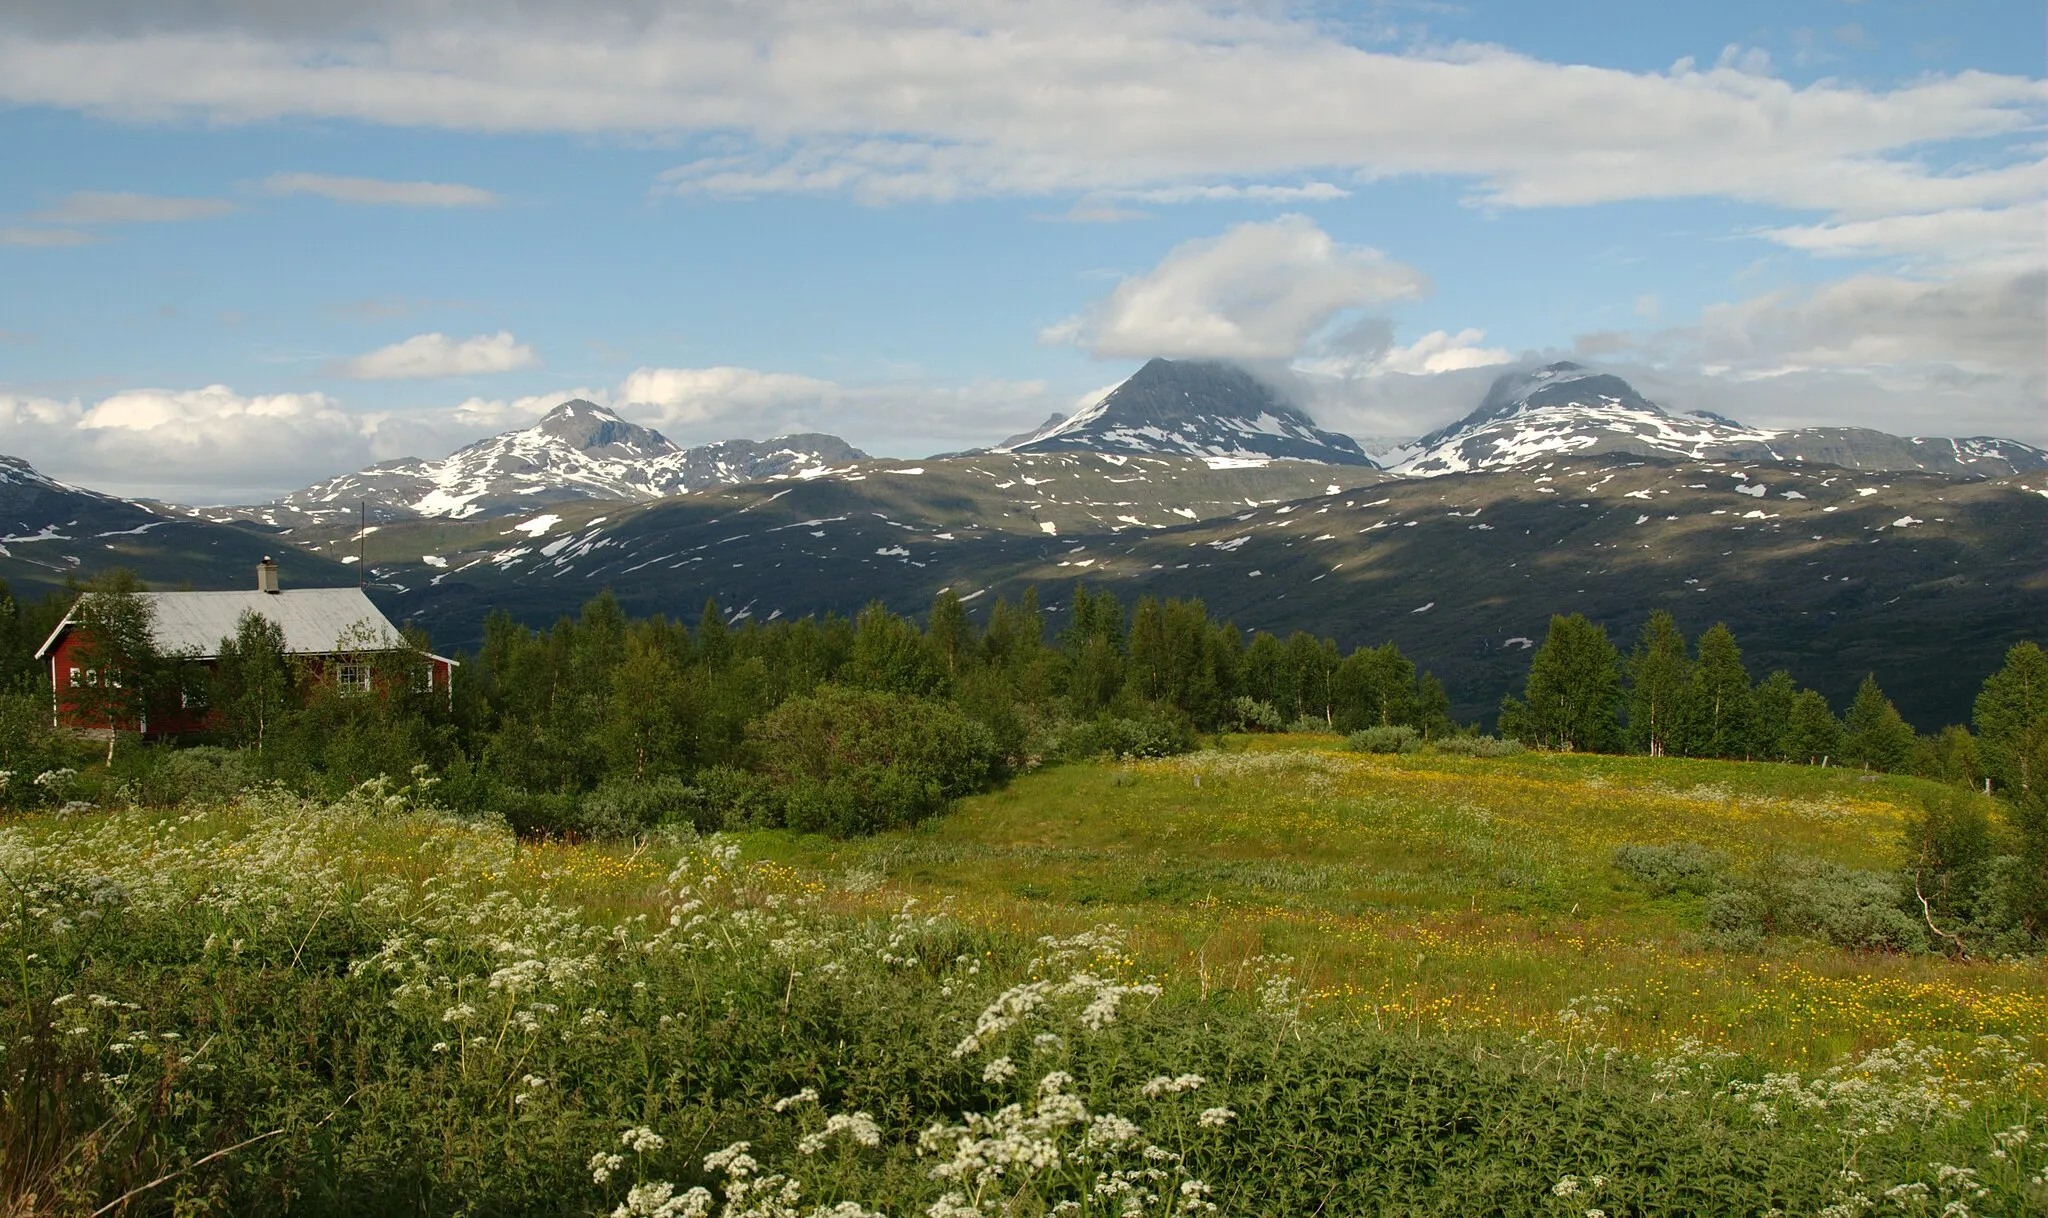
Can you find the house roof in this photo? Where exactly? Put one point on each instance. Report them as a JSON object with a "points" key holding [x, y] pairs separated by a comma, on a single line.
{"points": [[314, 619]]}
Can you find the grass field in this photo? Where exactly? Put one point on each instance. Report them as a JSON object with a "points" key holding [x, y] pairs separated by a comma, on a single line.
{"points": [[1427, 890], [370, 1007]]}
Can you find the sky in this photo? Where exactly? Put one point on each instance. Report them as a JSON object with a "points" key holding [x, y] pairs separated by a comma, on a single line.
{"points": [[248, 244]]}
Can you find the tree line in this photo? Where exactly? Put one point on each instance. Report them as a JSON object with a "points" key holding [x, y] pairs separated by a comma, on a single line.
{"points": [[853, 724]]}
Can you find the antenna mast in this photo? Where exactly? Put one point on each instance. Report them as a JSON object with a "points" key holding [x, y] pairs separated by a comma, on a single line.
{"points": [[362, 531]]}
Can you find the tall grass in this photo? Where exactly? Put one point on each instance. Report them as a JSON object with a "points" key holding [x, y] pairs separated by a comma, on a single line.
{"points": [[364, 1007]]}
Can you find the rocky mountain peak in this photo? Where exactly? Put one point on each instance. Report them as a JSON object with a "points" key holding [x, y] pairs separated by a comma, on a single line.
{"points": [[590, 428], [1195, 408]]}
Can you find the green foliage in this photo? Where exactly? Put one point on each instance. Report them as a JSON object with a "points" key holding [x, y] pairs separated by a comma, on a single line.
{"points": [[244, 1018], [254, 682], [848, 761], [2011, 715], [1660, 677], [1818, 899], [1151, 735], [1573, 692], [1396, 739], [1663, 870], [1721, 711], [1476, 746], [1873, 733], [1812, 733], [117, 652]]}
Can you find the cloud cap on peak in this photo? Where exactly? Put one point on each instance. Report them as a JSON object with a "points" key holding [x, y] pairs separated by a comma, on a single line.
{"points": [[1258, 291]]}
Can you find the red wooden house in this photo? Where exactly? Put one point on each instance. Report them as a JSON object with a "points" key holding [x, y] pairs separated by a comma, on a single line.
{"points": [[335, 633]]}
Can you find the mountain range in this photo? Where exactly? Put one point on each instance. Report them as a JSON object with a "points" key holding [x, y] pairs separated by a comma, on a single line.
{"points": [[1567, 410], [1832, 552], [578, 450]]}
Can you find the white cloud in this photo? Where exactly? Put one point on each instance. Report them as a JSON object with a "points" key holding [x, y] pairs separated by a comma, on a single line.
{"points": [[1964, 237], [1975, 325], [194, 445], [1440, 351], [900, 99], [124, 207], [1257, 292], [376, 191], [429, 355]]}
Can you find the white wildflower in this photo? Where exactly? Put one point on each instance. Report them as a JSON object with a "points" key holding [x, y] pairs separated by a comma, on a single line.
{"points": [[1567, 1187], [1216, 1118], [808, 1095], [642, 1140], [1163, 1085], [659, 1199], [602, 1166], [1001, 1070]]}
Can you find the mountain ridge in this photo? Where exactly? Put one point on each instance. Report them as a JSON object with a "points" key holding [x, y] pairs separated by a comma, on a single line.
{"points": [[1567, 410], [577, 451]]}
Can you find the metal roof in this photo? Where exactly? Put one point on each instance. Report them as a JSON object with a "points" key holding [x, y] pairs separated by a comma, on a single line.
{"points": [[314, 619]]}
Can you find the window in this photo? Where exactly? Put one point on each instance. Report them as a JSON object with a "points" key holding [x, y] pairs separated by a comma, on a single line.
{"points": [[353, 676], [77, 677], [423, 678]]}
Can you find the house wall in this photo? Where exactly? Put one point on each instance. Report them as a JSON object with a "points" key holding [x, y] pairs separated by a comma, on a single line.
{"points": [[67, 656]]}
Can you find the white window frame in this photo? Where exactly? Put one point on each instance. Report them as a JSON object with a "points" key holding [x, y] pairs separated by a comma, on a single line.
{"points": [[353, 676]]}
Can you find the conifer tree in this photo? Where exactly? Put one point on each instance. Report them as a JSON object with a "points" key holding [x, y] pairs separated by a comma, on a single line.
{"points": [[1874, 734], [1659, 677], [1772, 701], [1573, 691], [1812, 733], [2011, 715], [1722, 712]]}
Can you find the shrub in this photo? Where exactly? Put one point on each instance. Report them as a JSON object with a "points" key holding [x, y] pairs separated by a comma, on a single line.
{"points": [[1477, 746], [1157, 734], [1251, 715], [1396, 739], [1310, 725], [846, 761], [1681, 867], [624, 809], [1817, 899], [202, 775]]}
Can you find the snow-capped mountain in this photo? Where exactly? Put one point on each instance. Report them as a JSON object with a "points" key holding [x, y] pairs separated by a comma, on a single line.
{"points": [[578, 451], [1191, 408], [1567, 410]]}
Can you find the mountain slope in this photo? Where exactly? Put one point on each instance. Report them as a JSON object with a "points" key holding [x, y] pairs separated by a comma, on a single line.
{"points": [[1924, 580], [1196, 409], [1567, 410], [51, 532], [578, 451]]}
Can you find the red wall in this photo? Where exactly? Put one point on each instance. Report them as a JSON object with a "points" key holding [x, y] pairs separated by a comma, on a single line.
{"points": [[65, 656]]}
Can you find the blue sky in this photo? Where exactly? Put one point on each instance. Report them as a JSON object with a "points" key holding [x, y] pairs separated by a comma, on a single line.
{"points": [[252, 244]]}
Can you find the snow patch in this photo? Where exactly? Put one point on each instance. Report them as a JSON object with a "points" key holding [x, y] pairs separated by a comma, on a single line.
{"points": [[434, 560], [538, 526]]}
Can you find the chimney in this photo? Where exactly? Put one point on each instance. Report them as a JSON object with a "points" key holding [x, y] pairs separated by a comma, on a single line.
{"points": [[266, 576]]}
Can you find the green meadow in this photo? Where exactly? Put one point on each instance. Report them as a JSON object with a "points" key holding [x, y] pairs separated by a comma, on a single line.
{"points": [[1430, 891]]}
